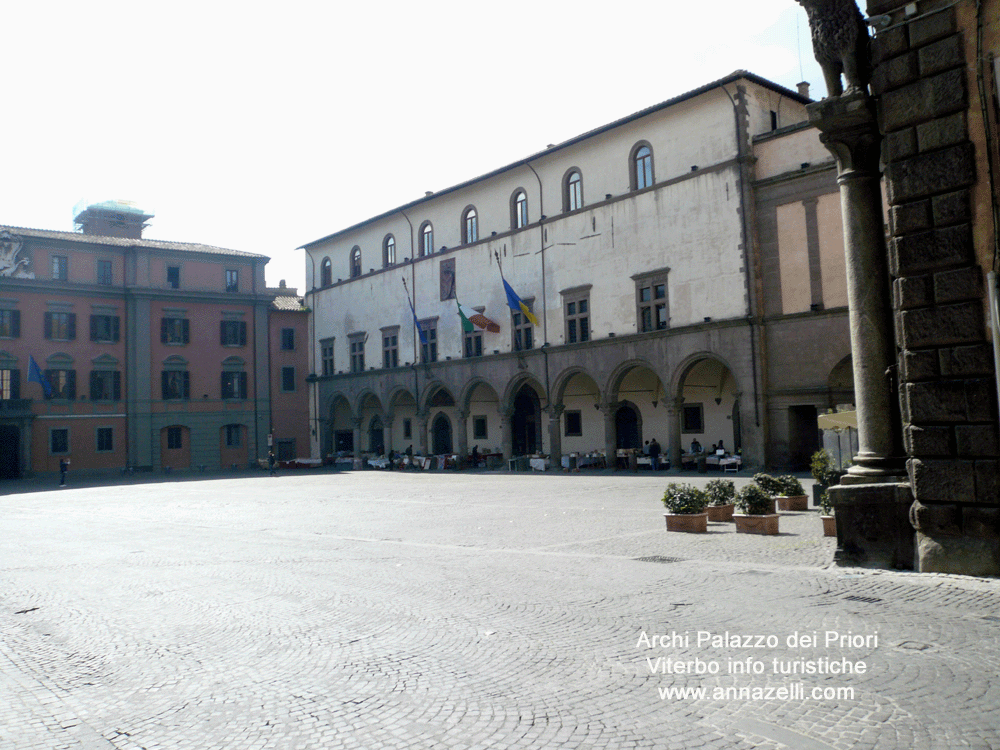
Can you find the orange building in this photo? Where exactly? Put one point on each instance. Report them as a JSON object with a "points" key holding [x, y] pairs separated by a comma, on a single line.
{"points": [[150, 354]]}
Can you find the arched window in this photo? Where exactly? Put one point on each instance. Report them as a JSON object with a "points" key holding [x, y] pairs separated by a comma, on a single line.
{"points": [[355, 262], [326, 272], [470, 225], [519, 210], [573, 192], [389, 251], [426, 238], [642, 167]]}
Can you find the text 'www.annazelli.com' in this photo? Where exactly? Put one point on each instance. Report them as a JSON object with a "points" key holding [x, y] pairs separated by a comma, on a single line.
{"points": [[792, 691]]}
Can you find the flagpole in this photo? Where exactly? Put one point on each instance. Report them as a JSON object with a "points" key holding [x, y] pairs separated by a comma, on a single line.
{"points": [[510, 310]]}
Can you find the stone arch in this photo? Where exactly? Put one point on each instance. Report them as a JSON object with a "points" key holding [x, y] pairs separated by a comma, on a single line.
{"points": [[622, 371], [367, 399], [338, 431], [515, 384], [402, 418], [442, 434], [561, 382], [628, 426], [709, 402], [436, 393], [464, 400]]}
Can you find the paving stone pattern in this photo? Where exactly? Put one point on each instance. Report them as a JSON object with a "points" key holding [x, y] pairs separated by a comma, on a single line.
{"points": [[380, 610]]}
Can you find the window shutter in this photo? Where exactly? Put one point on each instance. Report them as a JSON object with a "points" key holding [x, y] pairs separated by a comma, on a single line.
{"points": [[163, 385], [222, 386], [187, 384], [72, 327], [243, 384], [117, 386], [163, 330], [15, 324], [115, 328], [243, 333], [15, 384], [48, 325], [71, 384], [186, 329], [222, 333], [94, 395]]}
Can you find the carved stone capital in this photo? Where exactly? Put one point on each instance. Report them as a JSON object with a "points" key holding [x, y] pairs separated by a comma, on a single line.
{"points": [[849, 129]]}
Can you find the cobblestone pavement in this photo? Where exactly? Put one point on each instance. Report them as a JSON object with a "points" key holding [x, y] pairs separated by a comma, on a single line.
{"points": [[380, 610]]}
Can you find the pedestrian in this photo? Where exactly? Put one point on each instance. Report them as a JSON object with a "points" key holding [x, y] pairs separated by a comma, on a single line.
{"points": [[475, 457], [654, 455], [63, 468], [271, 463]]}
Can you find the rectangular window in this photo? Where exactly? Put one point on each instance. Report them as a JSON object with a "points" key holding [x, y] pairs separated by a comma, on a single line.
{"points": [[651, 301], [233, 333], [105, 439], [60, 268], [59, 440], [479, 428], [234, 385], [408, 429], [285, 449], [326, 354], [174, 277], [175, 331], [232, 280], [175, 438], [573, 421], [233, 435], [62, 383], [576, 309], [175, 385], [105, 274], [358, 353], [473, 344], [288, 339], [104, 328], [523, 330], [105, 385], [60, 326], [10, 384], [10, 324], [429, 351], [692, 418], [287, 379], [390, 350]]}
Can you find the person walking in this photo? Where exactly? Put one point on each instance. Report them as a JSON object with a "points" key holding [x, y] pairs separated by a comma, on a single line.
{"points": [[654, 455], [63, 468], [271, 463]]}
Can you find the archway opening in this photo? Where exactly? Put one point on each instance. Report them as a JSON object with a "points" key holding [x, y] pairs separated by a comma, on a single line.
{"points": [[441, 435], [526, 422], [376, 436], [10, 452], [627, 426], [710, 409]]}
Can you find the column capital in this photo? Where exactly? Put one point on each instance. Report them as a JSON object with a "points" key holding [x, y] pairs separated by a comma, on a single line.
{"points": [[849, 129], [555, 410]]}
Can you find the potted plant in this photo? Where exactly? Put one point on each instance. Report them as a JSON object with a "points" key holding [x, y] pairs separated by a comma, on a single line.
{"points": [[829, 522], [720, 499], [758, 516], [770, 487], [686, 504], [791, 495], [823, 471]]}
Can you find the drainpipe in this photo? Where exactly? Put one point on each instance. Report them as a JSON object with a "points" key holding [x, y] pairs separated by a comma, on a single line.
{"points": [[314, 385], [256, 391]]}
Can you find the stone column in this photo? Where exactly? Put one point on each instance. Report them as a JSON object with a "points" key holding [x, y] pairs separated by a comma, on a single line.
{"points": [[462, 434], [872, 502], [356, 425], [555, 434], [506, 433], [608, 409], [422, 418], [674, 446], [387, 434]]}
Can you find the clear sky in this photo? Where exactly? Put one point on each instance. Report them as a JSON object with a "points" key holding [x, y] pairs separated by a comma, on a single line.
{"points": [[263, 126]]}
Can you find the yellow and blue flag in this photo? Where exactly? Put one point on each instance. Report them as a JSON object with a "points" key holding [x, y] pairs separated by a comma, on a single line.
{"points": [[517, 305]]}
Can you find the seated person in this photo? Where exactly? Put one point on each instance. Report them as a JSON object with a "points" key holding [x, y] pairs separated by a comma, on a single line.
{"points": [[721, 449], [695, 446]]}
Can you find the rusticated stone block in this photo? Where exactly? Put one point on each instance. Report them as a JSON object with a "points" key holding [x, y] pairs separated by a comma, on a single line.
{"points": [[943, 481], [976, 440], [937, 248], [942, 325], [981, 523], [988, 482], [941, 55], [900, 144], [937, 520], [895, 72], [911, 217], [951, 208], [923, 100], [913, 291], [981, 395], [960, 284], [889, 44], [931, 27], [963, 361], [937, 401], [927, 442], [942, 132], [920, 365], [928, 174]]}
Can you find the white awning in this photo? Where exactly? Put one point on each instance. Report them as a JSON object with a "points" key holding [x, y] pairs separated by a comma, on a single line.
{"points": [[838, 420]]}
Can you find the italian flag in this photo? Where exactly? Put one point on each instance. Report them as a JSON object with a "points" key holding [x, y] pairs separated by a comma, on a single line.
{"points": [[472, 320]]}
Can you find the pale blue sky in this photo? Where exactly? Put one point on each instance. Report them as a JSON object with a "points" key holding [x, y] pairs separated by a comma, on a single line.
{"points": [[260, 127]]}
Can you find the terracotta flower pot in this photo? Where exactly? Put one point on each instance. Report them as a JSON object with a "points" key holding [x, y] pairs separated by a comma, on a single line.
{"points": [[767, 525], [829, 525], [720, 513], [793, 502], [695, 523]]}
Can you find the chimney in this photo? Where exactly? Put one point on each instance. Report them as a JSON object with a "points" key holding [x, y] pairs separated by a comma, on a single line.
{"points": [[804, 89]]}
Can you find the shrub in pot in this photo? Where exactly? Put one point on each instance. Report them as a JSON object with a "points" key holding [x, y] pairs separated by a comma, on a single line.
{"points": [[792, 496], [721, 493], [686, 505], [758, 516], [771, 485], [826, 507]]}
